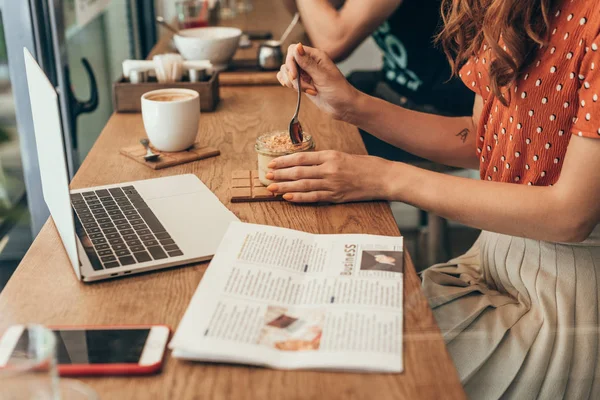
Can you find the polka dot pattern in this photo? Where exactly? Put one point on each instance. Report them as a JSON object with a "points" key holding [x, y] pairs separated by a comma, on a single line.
{"points": [[558, 94]]}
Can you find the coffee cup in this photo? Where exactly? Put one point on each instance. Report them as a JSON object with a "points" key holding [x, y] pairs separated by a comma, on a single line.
{"points": [[171, 118]]}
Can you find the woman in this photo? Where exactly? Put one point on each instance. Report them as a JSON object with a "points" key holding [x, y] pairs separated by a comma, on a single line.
{"points": [[520, 310]]}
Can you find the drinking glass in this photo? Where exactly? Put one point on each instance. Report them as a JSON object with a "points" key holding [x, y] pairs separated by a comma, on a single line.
{"points": [[244, 6], [228, 8], [31, 371], [192, 14]]}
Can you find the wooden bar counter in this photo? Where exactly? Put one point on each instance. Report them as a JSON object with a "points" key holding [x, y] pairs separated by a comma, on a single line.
{"points": [[44, 288]]}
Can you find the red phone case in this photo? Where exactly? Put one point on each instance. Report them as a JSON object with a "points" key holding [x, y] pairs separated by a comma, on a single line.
{"points": [[109, 369]]}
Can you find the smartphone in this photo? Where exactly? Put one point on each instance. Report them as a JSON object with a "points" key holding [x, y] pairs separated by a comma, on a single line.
{"points": [[97, 350]]}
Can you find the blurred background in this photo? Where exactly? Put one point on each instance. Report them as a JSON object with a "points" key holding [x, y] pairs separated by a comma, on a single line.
{"points": [[62, 33]]}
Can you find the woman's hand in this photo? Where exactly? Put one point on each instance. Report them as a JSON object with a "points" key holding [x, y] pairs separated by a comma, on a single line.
{"points": [[329, 176], [321, 80]]}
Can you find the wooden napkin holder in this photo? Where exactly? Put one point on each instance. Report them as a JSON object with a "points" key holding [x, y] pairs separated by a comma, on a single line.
{"points": [[127, 97]]}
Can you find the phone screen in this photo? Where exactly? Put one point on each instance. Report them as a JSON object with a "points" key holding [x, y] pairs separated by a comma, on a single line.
{"points": [[123, 346]]}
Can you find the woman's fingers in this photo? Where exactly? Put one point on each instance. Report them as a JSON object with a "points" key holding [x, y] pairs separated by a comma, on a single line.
{"points": [[280, 78], [320, 196], [300, 49], [284, 78], [289, 71], [301, 56], [290, 62], [297, 159], [314, 63], [295, 173], [302, 185]]}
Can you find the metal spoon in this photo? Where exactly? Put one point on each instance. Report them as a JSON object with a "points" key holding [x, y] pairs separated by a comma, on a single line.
{"points": [[150, 156], [164, 23], [295, 128], [290, 28]]}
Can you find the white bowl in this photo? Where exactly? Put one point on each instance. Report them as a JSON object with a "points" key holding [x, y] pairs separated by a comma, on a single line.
{"points": [[216, 44]]}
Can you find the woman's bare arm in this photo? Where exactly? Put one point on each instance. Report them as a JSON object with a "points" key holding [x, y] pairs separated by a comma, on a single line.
{"points": [[565, 212], [445, 140]]}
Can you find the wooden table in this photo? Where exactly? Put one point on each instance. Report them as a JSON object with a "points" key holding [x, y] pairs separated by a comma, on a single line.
{"points": [[44, 288]]}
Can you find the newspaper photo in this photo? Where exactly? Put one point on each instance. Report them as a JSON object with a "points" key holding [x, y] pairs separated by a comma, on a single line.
{"points": [[292, 300]]}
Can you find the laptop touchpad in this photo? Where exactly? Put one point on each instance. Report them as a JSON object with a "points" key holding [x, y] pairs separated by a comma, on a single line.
{"points": [[172, 186], [196, 222]]}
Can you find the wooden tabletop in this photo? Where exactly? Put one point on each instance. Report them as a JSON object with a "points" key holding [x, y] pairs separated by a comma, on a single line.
{"points": [[44, 288]]}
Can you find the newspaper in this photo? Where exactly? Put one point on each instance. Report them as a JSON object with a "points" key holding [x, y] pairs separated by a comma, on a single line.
{"points": [[287, 299]]}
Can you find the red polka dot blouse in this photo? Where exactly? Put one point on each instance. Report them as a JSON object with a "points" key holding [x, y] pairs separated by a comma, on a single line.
{"points": [[555, 97]]}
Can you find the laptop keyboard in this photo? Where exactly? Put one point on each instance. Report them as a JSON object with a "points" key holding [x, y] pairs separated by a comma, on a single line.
{"points": [[117, 228]]}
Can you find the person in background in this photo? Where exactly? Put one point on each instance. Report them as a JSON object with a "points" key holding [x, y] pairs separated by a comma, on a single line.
{"points": [[416, 73], [520, 311]]}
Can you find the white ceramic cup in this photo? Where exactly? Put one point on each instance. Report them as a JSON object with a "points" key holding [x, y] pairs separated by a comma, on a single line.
{"points": [[171, 118]]}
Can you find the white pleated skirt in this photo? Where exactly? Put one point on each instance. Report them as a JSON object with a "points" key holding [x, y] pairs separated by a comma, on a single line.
{"points": [[521, 317]]}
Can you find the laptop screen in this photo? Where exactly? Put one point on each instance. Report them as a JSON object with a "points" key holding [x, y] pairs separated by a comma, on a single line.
{"points": [[51, 154]]}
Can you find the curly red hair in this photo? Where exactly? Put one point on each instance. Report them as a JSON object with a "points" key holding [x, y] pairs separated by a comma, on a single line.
{"points": [[520, 25]]}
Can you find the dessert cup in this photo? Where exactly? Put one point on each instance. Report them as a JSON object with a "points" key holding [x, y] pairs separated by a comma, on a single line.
{"points": [[276, 144]]}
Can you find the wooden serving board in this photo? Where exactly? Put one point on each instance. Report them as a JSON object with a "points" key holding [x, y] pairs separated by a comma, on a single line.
{"points": [[236, 78], [246, 72], [245, 187], [194, 153]]}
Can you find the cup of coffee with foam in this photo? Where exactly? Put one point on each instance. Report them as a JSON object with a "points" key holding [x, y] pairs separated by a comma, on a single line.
{"points": [[171, 118]]}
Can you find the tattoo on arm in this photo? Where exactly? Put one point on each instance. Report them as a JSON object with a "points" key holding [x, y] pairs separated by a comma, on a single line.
{"points": [[463, 134]]}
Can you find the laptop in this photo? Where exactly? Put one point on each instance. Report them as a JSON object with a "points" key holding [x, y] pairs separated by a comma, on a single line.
{"points": [[127, 228]]}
